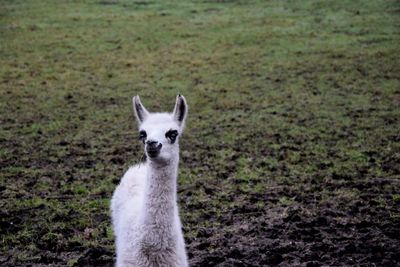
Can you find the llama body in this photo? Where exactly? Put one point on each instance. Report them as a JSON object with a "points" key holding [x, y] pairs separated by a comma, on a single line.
{"points": [[144, 207]]}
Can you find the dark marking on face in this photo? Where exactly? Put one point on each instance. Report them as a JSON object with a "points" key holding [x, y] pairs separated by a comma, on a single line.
{"points": [[142, 136], [171, 135]]}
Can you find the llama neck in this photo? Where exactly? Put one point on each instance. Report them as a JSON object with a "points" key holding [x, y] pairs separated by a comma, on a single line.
{"points": [[160, 195]]}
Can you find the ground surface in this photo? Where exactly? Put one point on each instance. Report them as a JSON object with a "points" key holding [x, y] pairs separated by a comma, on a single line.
{"points": [[292, 151]]}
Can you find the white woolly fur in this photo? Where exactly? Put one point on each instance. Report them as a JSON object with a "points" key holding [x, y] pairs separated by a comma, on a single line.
{"points": [[144, 206]]}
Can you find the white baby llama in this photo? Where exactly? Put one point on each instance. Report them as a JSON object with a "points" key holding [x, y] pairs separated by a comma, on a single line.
{"points": [[144, 207]]}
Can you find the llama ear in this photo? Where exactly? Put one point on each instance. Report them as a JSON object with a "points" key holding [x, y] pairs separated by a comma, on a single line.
{"points": [[180, 110], [141, 112]]}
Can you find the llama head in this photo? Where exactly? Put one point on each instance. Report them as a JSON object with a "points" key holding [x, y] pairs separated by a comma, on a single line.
{"points": [[160, 132]]}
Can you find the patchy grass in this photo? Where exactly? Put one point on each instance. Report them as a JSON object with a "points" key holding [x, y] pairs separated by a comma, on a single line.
{"points": [[292, 138]]}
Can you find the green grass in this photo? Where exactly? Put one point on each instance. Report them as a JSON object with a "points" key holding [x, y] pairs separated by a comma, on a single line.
{"points": [[280, 92]]}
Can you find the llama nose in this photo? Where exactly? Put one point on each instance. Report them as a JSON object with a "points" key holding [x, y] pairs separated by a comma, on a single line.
{"points": [[153, 148], [153, 145]]}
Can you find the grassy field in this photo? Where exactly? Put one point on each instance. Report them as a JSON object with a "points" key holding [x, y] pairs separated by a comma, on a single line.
{"points": [[291, 155]]}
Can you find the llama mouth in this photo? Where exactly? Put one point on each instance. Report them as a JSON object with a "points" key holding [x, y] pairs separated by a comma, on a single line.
{"points": [[153, 153]]}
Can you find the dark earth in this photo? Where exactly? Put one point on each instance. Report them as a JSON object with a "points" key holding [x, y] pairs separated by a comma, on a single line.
{"points": [[308, 230]]}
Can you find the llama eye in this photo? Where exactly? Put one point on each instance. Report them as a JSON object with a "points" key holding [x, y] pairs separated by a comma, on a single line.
{"points": [[142, 135], [171, 135]]}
